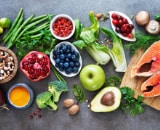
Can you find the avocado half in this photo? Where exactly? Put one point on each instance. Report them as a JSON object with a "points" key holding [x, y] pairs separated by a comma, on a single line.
{"points": [[98, 105]]}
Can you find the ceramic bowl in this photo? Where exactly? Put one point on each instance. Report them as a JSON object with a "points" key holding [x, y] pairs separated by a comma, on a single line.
{"points": [[66, 26], [18, 93], [129, 21], [8, 65], [53, 61]]}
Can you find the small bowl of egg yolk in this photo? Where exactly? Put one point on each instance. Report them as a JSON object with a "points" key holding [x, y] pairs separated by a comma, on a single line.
{"points": [[20, 96]]}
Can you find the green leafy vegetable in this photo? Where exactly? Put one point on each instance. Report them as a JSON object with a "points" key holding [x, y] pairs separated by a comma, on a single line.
{"points": [[143, 41], [87, 38], [112, 81], [117, 51], [43, 43], [78, 93], [157, 17], [102, 54], [129, 104]]}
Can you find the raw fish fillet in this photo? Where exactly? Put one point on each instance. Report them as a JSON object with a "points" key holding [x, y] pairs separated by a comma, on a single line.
{"points": [[149, 63]]}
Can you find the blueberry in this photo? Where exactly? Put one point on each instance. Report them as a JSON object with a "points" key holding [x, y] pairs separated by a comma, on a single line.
{"points": [[75, 70], [64, 48], [54, 52], [61, 65], [69, 55], [61, 51], [68, 70], [77, 54], [62, 56], [57, 65], [71, 64], [57, 60], [74, 58], [61, 46], [54, 57], [73, 52], [67, 59], [61, 68], [57, 51], [77, 64], [66, 64], [69, 47]]}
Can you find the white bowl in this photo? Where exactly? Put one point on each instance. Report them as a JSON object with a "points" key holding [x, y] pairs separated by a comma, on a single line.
{"points": [[53, 21], [129, 21], [53, 61]]}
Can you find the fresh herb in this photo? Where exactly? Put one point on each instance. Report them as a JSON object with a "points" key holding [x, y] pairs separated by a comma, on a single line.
{"points": [[129, 104], [157, 17], [78, 93], [143, 41], [112, 81], [43, 42]]}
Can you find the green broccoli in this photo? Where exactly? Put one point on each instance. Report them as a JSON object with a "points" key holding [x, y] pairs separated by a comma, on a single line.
{"points": [[56, 88], [45, 100]]}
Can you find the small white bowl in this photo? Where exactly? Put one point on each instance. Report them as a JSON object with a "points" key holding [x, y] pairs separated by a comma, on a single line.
{"points": [[129, 21], [62, 16], [53, 61]]}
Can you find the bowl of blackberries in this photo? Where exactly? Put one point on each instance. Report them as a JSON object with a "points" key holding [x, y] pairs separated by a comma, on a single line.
{"points": [[66, 59]]}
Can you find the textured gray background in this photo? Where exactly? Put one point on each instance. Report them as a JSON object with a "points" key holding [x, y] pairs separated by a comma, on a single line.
{"points": [[85, 119]]}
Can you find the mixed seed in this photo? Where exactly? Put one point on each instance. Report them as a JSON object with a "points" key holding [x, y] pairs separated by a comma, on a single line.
{"points": [[6, 64]]}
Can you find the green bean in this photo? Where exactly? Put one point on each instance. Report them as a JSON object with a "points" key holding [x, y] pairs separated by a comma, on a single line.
{"points": [[21, 27], [30, 26], [37, 29], [17, 31], [8, 34], [8, 39], [38, 18]]}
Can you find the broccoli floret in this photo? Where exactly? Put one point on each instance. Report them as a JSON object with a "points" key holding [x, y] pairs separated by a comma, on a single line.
{"points": [[56, 88], [44, 100]]}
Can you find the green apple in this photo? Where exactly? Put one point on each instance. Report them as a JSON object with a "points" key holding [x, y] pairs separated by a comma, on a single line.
{"points": [[92, 77]]}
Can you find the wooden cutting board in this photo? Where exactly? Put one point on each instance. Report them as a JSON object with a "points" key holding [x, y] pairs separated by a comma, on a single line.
{"points": [[135, 83]]}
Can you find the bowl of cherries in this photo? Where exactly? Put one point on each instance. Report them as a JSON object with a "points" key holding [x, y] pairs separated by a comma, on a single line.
{"points": [[66, 59], [122, 25]]}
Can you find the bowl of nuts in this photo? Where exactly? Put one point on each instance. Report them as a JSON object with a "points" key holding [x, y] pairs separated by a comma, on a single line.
{"points": [[8, 64]]}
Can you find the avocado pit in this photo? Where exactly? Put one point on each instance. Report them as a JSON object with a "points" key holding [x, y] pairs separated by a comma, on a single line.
{"points": [[108, 99]]}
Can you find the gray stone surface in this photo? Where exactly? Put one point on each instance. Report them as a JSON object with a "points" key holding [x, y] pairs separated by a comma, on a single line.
{"points": [[85, 119]]}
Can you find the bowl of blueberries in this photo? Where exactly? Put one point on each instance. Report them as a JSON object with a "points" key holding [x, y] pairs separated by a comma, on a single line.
{"points": [[66, 59]]}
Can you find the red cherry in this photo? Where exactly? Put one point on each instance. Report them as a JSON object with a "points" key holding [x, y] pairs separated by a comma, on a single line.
{"points": [[130, 35], [114, 16], [125, 21], [120, 22], [115, 22]]}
